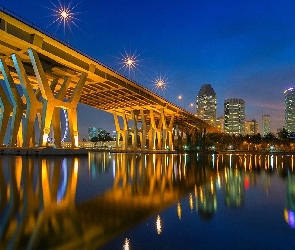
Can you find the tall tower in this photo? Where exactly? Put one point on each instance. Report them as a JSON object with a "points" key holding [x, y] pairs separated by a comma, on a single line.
{"points": [[265, 124], [234, 116], [206, 104], [290, 109]]}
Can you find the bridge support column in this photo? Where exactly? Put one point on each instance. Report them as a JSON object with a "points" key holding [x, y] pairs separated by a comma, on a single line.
{"points": [[6, 109], [56, 114], [122, 132], [143, 130], [160, 134], [134, 130], [155, 132], [16, 101], [180, 140], [50, 102], [34, 106], [168, 132]]}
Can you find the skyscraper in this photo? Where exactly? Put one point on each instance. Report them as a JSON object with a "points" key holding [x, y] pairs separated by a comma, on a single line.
{"points": [[251, 127], [92, 132], [265, 124], [206, 104], [290, 109], [234, 116]]}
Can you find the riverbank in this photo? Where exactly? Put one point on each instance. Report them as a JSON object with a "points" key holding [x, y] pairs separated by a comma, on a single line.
{"points": [[50, 151]]}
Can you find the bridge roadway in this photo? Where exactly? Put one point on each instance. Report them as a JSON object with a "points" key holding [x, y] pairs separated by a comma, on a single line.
{"points": [[65, 69]]}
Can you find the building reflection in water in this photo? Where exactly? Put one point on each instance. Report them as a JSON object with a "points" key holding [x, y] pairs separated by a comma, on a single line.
{"points": [[234, 192], [37, 195], [289, 212]]}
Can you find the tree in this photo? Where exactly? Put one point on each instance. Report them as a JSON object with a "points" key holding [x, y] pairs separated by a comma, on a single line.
{"points": [[284, 137], [256, 139], [94, 139]]}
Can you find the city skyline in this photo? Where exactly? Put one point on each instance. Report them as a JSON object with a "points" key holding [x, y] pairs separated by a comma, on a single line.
{"points": [[244, 50]]}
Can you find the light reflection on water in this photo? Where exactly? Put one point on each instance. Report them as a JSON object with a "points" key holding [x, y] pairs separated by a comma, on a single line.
{"points": [[148, 201]]}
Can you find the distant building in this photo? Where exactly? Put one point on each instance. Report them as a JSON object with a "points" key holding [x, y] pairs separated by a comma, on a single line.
{"points": [[220, 124], [92, 132], [234, 116], [251, 127], [114, 135], [206, 104], [265, 124], [290, 109]]}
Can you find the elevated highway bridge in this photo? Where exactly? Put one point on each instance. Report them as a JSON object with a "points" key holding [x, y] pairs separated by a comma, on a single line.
{"points": [[55, 76]]}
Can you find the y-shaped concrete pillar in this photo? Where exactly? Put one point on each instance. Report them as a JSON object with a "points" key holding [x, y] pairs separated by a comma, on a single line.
{"points": [[6, 110], [16, 101], [56, 113], [143, 130], [167, 131], [34, 105], [154, 132], [50, 102], [134, 129], [122, 132]]}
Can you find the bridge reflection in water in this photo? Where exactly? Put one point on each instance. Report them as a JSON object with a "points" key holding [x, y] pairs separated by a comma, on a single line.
{"points": [[39, 206]]}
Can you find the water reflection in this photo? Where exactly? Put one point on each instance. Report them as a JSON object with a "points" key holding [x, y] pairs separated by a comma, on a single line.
{"points": [[38, 202], [36, 195]]}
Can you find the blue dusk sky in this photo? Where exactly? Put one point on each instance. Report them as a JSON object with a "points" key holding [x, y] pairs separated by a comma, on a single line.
{"points": [[244, 49]]}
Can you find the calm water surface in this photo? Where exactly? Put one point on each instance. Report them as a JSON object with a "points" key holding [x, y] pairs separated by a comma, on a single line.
{"points": [[148, 201]]}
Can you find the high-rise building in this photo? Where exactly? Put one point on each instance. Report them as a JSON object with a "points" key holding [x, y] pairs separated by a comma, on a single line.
{"points": [[220, 124], [92, 132], [290, 109], [234, 116], [251, 127], [206, 104], [265, 124]]}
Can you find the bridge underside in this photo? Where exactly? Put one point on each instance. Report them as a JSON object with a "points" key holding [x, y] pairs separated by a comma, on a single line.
{"points": [[43, 76]]}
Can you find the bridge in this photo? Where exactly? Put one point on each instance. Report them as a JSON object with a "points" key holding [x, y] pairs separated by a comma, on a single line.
{"points": [[43, 75]]}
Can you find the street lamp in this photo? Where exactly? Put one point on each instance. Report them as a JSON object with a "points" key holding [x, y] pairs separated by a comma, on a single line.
{"points": [[192, 107], [65, 15], [180, 98], [160, 84]]}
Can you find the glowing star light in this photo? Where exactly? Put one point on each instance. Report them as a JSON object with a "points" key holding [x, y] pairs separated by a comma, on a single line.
{"points": [[160, 84], [129, 61], [64, 15], [159, 225], [126, 245]]}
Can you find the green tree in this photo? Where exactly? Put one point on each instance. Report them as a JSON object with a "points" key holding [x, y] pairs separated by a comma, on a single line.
{"points": [[284, 137], [94, 139]]}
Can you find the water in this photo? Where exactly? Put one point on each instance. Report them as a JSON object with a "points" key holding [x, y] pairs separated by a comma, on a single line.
{"points": [[164, 201]]}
